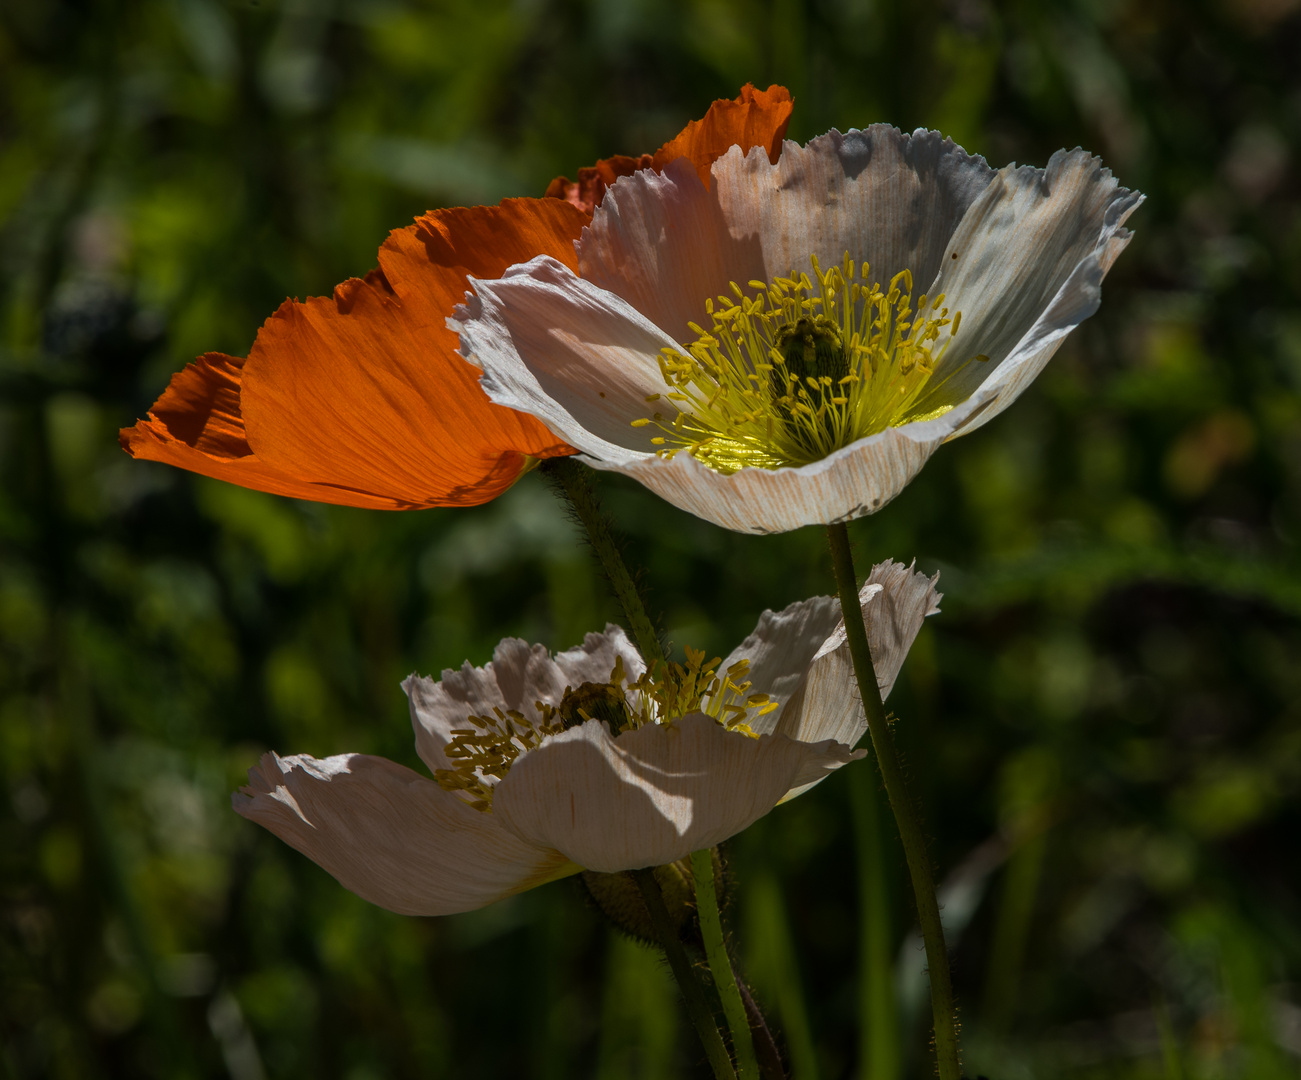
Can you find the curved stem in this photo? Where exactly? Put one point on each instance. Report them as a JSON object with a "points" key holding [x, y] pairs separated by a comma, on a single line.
{"points": [[910, 831], [692, 993], [770, 1059], [720, 964], [574, 482]]}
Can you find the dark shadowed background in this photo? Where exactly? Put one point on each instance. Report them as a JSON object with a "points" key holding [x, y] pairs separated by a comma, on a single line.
{"points": [[1102, 726]]}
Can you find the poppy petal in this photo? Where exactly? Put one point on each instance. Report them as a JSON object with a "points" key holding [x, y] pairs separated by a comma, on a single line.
{"points": [[780, 650], [579, 358], [392, 836], [654, 794], [197, 425], [365, 390], [894, 600], [755, 118], [360, 399], [1025, 266]]}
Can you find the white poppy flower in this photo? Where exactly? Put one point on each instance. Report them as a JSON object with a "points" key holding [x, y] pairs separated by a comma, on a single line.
{"points": [[558, 798], [682, 353]]}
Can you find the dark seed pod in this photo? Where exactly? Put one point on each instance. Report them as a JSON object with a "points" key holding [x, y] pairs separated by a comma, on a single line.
{"points": [[594, 701], [811, 347], [814, 362]]}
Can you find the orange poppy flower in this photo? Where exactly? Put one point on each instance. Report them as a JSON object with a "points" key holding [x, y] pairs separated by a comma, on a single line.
{"points": [[361, 398]]}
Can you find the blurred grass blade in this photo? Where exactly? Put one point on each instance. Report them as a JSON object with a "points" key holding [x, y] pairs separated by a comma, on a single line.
{"points": [[638, 1015], [1012, 931], [879, 1052], [771, 960], [1029, 780]]}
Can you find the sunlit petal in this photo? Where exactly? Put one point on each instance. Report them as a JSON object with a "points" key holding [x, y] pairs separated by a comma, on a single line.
{"points": [[654, 794]]}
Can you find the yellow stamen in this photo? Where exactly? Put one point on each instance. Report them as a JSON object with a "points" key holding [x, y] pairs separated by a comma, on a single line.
{"points": [[763, 386], [489, 745]]}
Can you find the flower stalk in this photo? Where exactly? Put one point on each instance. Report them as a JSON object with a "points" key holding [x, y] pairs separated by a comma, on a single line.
{"points": [[693, 995], [770, 1059], [910, 831], [574, 484], [720, 964]]}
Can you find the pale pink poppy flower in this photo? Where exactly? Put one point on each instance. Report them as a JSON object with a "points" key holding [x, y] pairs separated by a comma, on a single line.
{"points": [[565, 799]]}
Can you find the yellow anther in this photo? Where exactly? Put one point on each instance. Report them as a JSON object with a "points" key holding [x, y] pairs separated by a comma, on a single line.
{"points": [[739, 401]]}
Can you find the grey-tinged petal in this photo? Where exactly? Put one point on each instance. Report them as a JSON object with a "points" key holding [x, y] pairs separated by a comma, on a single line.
{"points": [[1025, 267], [653, 794], [579, 358], [895, 600], [392, 836], [781, 648], [593, 660], [665, 243], [518, 676]]}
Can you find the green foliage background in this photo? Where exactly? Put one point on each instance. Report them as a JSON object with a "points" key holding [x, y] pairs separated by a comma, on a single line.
{"points": [[1102, 726]]}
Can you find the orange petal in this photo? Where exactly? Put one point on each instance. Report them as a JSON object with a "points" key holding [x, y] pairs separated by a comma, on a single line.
{"points": [[365, 390], [754, 118], [361, 399], [587, 191], [197, 425]]}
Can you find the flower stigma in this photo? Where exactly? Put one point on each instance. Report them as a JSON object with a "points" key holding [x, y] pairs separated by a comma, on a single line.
{"points": [[789, 373], [483, 752]]}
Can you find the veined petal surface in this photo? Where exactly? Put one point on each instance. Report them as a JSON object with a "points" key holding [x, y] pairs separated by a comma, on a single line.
{"points": [[601, 354], [392, 836], [197, 425], [780, 650], [654, 794], [365, 390], [895, 600]]}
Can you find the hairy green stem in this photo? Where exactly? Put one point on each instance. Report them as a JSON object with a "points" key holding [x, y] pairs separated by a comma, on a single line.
{"points": [[905, 816], [693, 995], [720, 964], [574, 482], [765, 1046]]}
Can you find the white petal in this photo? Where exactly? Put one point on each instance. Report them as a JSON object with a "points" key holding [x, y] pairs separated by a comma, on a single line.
{"points": [[575, 356], [1031, 255], [858, 480], [593, 660], [895, 600], [781, 648], [665, 243], [519, 676], [392, 836], [654, 794]]}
